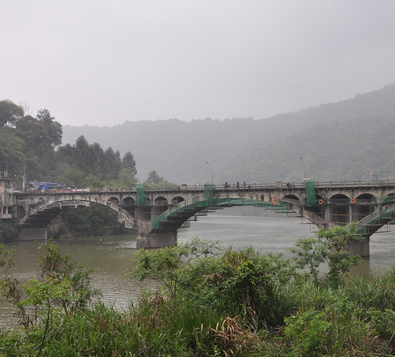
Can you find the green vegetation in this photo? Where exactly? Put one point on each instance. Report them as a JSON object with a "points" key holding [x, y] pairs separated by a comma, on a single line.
{"points": [[8, 231], [154, 181], [92, 221], [343, 150], [31, 146], [239, 303]]}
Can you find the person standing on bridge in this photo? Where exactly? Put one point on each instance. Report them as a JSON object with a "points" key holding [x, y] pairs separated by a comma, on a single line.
{"points": [[237, 185]]}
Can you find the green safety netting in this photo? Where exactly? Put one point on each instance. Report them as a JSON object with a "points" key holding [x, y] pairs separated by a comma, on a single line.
{"points": [[310, 192], [141, 196], [385, 214], [208, 194], [383, 200], [210, 204]]}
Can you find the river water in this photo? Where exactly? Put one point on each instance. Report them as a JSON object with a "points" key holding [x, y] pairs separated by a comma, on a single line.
{"points": [[110, 255]]}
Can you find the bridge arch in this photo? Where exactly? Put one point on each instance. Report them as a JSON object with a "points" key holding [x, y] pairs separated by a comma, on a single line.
{"points": [[20, 212], [128, 201], [362, 205], [41, 213], [339, 209], [177, 215], [319, 207], [291, 197], [114, 200], [160, 205], [177, 199], [129, 204]]}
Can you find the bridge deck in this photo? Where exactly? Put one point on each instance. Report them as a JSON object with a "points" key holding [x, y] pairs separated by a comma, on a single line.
{"points": [[221, 187]]}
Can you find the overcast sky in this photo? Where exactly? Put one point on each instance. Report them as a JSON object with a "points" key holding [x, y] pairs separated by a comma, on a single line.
{"points": [[100, 62]]}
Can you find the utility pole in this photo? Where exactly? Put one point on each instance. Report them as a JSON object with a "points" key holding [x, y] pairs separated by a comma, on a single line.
{"points": [[212, 172], [304, 169]]}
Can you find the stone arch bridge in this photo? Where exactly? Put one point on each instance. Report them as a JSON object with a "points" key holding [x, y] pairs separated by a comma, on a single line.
{"points": [[158, 214]]}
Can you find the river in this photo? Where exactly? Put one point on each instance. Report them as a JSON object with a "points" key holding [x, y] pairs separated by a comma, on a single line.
{"points": [[110, 255]]}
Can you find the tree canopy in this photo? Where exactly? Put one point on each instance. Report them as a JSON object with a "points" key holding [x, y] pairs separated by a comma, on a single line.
{"points": [[32, 145], [9, 112]]}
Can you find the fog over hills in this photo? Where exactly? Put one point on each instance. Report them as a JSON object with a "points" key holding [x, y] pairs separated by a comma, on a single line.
{"points": [[336, 140]]}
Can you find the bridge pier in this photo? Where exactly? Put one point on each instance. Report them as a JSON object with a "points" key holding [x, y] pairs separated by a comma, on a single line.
{"points": [[360, 248], [156, 240], [33, 234]]}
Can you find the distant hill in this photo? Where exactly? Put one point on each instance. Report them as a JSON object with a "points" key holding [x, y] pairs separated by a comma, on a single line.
{"points": [[336, 150], [333, 139]]}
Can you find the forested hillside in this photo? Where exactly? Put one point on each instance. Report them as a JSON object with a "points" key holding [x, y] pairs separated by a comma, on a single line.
{"points": [[30, 148], [336, 140], [334, 151]]}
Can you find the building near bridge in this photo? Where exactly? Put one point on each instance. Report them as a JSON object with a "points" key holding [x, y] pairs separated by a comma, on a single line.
{"points": [[6, 193]]}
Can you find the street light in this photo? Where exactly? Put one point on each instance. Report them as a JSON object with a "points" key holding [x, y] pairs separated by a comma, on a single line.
{"points": [[212, 172], [304, 169]]}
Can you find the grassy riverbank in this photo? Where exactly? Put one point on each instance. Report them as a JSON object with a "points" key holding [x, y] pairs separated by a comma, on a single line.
{"points": [[237, 303]]}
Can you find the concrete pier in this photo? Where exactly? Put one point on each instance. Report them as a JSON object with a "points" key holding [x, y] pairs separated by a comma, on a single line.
{"points": [[33, 234], [360, 248], [156, 240]]}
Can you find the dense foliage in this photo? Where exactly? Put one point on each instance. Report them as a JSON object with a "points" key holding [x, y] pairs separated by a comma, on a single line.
{"points": [[92, 221], [31, 147], [239, 303]]}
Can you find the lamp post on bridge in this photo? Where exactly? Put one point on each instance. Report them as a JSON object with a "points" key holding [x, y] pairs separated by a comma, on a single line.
{"points": [[212, 173], [304, 169]]}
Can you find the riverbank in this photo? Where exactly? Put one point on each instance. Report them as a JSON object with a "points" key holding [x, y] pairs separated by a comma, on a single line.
{"points": [[110, 256], [241, 303]]}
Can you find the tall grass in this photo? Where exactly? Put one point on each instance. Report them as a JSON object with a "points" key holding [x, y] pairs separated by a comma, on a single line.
{"points": [[239, 304]]}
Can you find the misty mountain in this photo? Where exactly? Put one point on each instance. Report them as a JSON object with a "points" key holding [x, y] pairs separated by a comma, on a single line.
{"points": [[336, 140], [334, 151]]}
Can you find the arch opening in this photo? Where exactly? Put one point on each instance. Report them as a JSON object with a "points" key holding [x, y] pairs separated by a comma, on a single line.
{"points": [[160, 205], [20, 212], [177, 199], [363, 206], [319, 207], [292, 197], [339, 209], [114, 200], [129, 205]]}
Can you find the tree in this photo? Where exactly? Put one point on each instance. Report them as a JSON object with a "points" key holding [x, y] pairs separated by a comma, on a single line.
{"points": [[39, 153], [83, 154], [9, 112], [125, 179], [111, 165], [63, 285], [11, 150], [165, 265], [329, 246], [154, 178], [128, 162], [54, 128]]}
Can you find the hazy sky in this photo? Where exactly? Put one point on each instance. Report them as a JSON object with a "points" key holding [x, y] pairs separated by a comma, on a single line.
{"points": [[106, 62]]}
